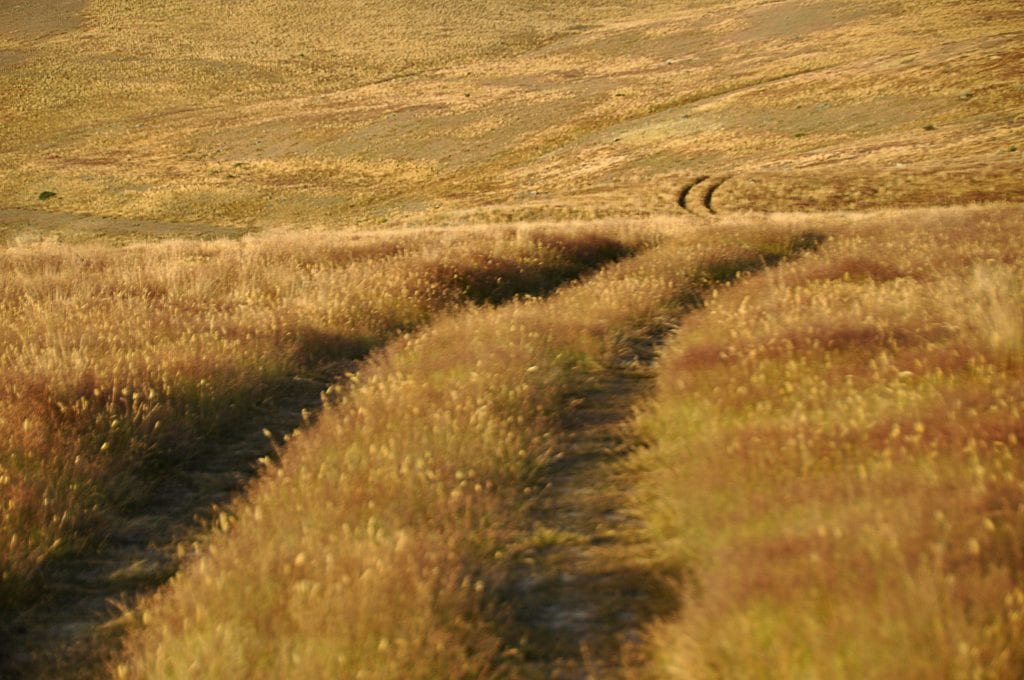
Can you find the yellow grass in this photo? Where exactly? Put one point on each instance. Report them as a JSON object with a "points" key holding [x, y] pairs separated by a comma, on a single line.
{"points": [[258, 113], [118, 365], [837, 460], [378, 549], [833, 468]]}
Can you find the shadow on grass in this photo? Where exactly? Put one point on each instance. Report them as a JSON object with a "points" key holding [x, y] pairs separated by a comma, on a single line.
{"points": [[577, 605], [496, 281], [726, 271], [66, 620]]}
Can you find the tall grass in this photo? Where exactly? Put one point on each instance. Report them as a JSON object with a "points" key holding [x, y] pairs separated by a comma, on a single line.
{"points": [[836, 459], [378, 549], [119, 364]]}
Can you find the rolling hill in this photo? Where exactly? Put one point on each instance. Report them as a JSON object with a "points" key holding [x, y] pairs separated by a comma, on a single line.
{"points": [[511, 339]]}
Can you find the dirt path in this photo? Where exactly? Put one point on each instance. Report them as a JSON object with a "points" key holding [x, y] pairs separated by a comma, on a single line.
{"points": [[585, 591], [86, 598], [582, 598], [81, 611]]}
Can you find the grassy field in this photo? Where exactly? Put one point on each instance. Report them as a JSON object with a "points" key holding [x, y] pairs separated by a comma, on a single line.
{"points": [[125, 366], [835, 460], [258, 114], [380, 546], [622, 339]]}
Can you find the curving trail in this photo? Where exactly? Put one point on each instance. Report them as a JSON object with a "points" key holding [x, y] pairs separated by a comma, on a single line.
{"points": [[86, 598], [585, 590], [696, 197]]}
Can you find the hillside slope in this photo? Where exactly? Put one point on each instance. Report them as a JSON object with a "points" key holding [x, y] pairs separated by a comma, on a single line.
{"points": [[262, 113], [448, 242]]}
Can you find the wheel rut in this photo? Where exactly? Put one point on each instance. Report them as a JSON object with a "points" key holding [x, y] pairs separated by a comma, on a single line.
{"points": [[585, 589], [697, 196], [86, 598], [687, 188], [588, 581]]}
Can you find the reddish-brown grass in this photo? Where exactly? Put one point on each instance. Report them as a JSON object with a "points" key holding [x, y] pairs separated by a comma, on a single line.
{"points": [[836, 460]]}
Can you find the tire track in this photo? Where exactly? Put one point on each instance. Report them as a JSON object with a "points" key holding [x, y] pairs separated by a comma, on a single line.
{"points": [[581, 603], [583, 593], [696, 198], [685, 192], [85, 598]]}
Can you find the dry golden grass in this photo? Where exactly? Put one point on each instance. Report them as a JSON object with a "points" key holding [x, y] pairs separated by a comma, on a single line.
{"points": [[118, 364], [870, 392], [260, 114], [837, 460], [379, 547]]}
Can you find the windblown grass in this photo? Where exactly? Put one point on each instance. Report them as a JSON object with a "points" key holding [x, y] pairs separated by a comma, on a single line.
{"points": [[117, 365], [836, 461], [378, 548]]}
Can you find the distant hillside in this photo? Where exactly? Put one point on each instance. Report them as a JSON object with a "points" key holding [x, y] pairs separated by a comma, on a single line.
{"points": [[257, 113]]}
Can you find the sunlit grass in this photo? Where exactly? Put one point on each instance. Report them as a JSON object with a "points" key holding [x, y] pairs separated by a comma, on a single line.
{"points": [[836, 460], [378, 548], [834, 466], [118, 364], [342, 112]]}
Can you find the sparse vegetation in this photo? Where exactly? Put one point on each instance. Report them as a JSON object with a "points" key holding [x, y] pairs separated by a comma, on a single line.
{"points": [[348, 112]]}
